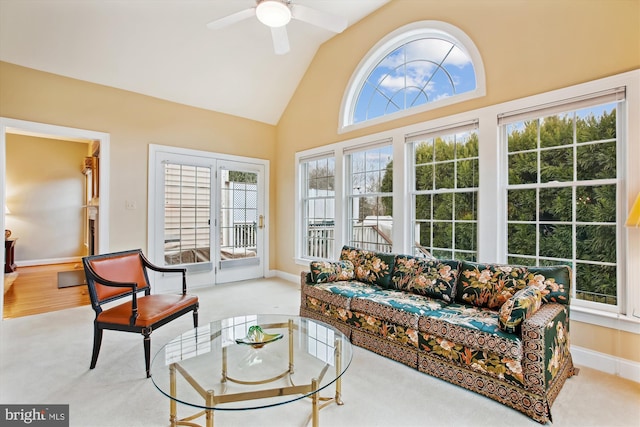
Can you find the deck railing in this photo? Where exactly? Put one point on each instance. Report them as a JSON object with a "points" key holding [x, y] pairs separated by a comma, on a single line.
{"points": [[244, 235], [320, 240]]}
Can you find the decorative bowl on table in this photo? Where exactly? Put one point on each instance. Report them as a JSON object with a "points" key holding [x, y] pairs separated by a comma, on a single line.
{"points": [[257, 338]]}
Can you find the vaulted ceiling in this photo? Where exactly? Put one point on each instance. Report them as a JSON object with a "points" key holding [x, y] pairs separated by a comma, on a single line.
{"points": [[163, 48]]}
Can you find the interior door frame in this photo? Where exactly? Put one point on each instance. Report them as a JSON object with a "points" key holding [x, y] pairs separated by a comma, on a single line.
{"points": [[153, 218], [10, 126]]}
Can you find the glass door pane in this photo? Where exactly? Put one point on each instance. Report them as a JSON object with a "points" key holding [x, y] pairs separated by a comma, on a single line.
{"points": [[239, 218], [187, 213]]}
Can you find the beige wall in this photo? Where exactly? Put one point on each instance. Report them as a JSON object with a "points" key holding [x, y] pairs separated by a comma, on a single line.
{"points": [[133, 122], [45, 192], [605, 340], [527, 47]]}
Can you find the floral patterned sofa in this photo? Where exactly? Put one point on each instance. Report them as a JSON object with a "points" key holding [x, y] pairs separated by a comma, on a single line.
{"points": [[501, 331]]}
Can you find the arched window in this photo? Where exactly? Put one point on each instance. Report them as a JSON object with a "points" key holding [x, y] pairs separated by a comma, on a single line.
{"points": [[420, 66]]}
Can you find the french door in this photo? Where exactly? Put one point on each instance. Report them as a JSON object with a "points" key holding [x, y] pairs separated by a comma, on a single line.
{"points": [[207, 214], [240, 222]]}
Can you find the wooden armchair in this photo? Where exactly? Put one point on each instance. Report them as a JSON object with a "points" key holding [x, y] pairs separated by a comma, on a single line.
{"points": [[124, 275]]}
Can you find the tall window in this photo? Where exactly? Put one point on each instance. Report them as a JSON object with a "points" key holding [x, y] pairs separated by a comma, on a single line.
{"points": [[370, 194], [445, 193], [562, 193], [318, 197], [423, 63]]}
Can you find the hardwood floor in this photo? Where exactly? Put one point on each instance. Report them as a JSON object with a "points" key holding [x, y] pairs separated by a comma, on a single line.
{"points": [[35, 291]]}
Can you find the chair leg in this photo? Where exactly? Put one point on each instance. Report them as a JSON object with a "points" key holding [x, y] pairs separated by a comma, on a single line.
{"points": [[147, 350], [97, 342], [195, 317]]}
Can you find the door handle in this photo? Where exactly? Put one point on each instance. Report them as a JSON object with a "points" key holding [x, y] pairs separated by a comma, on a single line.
{"points": [[261, 221]]}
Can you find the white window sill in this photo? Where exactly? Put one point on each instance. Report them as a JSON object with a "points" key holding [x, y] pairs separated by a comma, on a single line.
{"points": [[608, 320], [303, 261]]}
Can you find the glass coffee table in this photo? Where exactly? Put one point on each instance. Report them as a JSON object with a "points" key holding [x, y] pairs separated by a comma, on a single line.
{"points": [[251, 362]]}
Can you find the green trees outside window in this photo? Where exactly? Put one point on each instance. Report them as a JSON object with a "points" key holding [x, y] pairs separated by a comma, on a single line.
{"points": [[561, 196], [445, 195]]}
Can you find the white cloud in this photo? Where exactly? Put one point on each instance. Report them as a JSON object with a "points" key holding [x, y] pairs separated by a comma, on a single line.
{"points": [[414, 75], [458, 58], [421, 58]]}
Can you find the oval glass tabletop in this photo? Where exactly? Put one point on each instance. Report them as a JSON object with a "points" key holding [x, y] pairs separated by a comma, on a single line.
{"points": [[251, 362]]}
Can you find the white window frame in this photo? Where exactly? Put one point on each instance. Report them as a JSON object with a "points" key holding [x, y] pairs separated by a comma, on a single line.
{"points": [[570, 105], [388, 44], [492, 195], [304, 200], [411, 141], [350, 197], [628, 316]]}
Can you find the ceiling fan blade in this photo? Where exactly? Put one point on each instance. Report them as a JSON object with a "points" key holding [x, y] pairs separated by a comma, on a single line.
{"points": [[325, 20], [280, 40], [231, 19]]}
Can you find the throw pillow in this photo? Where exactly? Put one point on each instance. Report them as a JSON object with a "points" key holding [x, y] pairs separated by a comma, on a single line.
{"points": [[519, 307], [370, 267], [430, 277], [325, 271], [554, 282], [489, 285]]}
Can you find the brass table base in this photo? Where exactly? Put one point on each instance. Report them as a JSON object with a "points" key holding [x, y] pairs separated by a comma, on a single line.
{"points": [[211, 399]]}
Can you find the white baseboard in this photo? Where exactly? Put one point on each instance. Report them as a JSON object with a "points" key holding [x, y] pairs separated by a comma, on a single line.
{"points": [[32, 262], [288, 276], [623, 368]]}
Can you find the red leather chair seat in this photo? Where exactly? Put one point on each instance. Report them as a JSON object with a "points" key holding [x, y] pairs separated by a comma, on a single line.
{"points": [[151, 309]]}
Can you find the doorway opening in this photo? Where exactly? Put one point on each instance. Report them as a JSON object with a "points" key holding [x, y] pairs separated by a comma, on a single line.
{"points": [[99, 205]]}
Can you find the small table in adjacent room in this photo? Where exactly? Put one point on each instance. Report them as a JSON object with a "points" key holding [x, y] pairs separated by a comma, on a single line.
{"points": [[218, 367], [9, 261]]}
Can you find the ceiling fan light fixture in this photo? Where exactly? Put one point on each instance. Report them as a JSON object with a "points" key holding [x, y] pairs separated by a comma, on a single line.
{"points": [[273, 13]]}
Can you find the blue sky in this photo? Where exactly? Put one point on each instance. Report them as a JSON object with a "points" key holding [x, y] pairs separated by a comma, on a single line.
{"points": [[424, 70]]}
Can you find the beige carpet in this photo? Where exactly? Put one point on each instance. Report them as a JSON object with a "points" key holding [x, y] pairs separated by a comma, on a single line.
{"points": [[44, 359]]}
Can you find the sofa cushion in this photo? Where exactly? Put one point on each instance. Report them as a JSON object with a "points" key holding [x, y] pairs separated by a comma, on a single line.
{"points": [[326, 271], [554, 282], [489, 285], [474, 327], [370, 267], [519, 307], [385, 301], [495, 365], [340, 293], [430, 277]]}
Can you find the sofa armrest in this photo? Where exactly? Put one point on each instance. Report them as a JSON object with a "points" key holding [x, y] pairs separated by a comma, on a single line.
{"points": [[545, 342], [305, 277]]}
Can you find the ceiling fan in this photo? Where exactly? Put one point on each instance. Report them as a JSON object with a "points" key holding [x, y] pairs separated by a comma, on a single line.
{"points": [[276, 14]]}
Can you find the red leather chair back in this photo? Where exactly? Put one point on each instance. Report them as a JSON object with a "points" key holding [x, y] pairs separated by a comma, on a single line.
{"points": [[123, 268]]}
